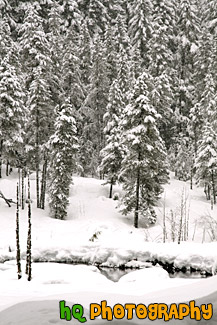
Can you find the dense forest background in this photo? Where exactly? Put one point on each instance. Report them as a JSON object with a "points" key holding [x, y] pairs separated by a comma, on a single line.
{"points": [[122, 90]]}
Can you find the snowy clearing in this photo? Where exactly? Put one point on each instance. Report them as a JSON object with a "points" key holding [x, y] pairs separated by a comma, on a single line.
{"points": [[96, 233]]}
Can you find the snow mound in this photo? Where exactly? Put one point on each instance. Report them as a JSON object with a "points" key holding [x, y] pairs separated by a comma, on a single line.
{"points": [[145, 275]]}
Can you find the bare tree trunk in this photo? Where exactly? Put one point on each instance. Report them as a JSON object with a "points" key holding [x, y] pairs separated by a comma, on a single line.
{"points": [[19, 271], [19, 184], [7, 168], [182, 209], [1, 148], [37, 160], [191, 184], [213, 188], [164, 221], [207, 191], [136, 214], [22, 191], [43, 184], [29, 242], [111, 188]]}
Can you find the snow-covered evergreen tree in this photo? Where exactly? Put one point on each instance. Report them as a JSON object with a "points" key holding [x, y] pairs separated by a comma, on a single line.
{"points": [[161, 42], [206, 161], [12, 111], [140, 27], [112, 153], [97, 16], [39, 125], [144, 167], [188, 26], [184, 160], [63, 149], [55, 39], [35, 53], [97, 98], [162, 99]]}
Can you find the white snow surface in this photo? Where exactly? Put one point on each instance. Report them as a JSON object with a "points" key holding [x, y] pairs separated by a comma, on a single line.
{"points": [[96, 233]]}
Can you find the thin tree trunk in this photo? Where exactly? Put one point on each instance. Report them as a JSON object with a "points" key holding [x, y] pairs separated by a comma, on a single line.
{"points": [[7, 168], [22, 191], [19, 183], [19, 271], [164, 221], [136, 215], [43, 184], [37, 160], [111, 188], [182, 214], [191, 186], [213, 188], [29, 242], [1, 148]]}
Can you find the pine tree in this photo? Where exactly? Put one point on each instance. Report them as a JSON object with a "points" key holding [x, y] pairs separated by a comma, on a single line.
{"points": [[188, 28], [206, 161], [184, 160], [36, 56], [39, 125], [12, 111], [63, 147], [56, 43], [161, 43], [97, 99], [140, 28], [210, 15], [144, 167], [97, 16], [162, 99], [112, 153]]}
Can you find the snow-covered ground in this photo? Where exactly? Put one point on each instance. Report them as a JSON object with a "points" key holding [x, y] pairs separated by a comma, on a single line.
{"points": [[96, 232]]}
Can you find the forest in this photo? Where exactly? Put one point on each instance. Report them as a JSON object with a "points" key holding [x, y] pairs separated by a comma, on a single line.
{"points": [[118, 90]]}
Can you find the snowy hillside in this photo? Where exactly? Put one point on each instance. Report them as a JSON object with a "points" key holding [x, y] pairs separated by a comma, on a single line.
{"points": [[96, 233]]}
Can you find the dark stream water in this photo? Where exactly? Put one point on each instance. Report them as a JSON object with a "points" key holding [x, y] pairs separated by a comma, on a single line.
{"points": [[114, 274]]}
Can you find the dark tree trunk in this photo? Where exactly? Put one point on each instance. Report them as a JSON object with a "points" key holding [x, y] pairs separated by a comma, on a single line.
{"points": [[29, 242], [22, 189], [207, 191], [37, 160], [191, 180], [19, 184], [1, 148], [43, 184], [19, 271], [7, 168], [111, 188], [213, 188], [136, 214]]}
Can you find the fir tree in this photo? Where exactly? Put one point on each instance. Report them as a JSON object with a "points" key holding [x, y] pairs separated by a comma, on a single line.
{"points": [[112, 153], [97, 16], [63, 147], [206, 161], [188, 28], [35, 53], [144, 167], [39, 126], [140, 27], [12, 112], [97, 99], [55, 39], [161, 44]]}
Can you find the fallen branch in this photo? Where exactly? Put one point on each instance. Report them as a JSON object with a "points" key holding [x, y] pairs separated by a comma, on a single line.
{"points": [[8, 201]]}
